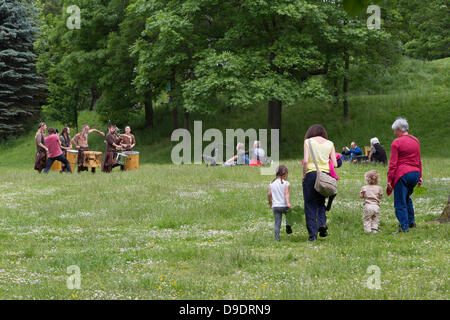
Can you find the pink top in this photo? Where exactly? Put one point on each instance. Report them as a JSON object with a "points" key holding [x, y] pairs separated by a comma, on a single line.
{"points": [[52, 143], [405, 158]]}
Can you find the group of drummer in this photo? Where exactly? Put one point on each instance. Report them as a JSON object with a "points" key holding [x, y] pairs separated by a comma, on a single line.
{"points": [[52, 148]]}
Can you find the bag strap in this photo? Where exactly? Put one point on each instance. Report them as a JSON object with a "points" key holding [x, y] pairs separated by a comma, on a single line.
{"points": [[312, 154]]}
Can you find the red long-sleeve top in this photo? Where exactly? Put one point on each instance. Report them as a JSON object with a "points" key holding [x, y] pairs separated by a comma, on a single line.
{"points": [[405, 158]]}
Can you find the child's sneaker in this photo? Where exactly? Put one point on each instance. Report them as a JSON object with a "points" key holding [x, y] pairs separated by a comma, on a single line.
{"points": [[323, 231], [288, 229], [375, 231]]}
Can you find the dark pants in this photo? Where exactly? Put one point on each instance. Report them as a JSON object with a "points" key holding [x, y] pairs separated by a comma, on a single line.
{"points": [[60, 158], [314, 205], [403, 189]]}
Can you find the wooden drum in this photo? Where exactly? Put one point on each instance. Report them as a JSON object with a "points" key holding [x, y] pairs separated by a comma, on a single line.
{"points": [[132, 160], [72, 157], [92, 159], [56, 166]]}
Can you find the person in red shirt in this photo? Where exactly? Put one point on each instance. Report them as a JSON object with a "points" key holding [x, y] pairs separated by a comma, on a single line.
{"points": [[54, 151], [404, 173]]}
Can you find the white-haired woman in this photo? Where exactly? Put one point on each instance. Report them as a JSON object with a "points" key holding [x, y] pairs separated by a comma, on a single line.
{"points": [[404, 173], [258, 155], [377, 152]]}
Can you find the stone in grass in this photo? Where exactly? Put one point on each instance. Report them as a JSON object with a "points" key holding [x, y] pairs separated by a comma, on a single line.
{"points": [[445, 216]]}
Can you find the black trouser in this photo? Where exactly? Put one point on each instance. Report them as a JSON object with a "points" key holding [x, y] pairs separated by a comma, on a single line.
{"points": [[314, 205], [60, 158]]}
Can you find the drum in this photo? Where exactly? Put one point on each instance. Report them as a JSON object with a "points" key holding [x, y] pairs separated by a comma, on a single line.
{"points": [[56, 166], [132, 160], [92, 159], [72, 157], [121, 159]]}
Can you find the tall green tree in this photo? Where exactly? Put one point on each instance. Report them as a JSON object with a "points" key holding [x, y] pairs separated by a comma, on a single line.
{"points": [[21, 87]]}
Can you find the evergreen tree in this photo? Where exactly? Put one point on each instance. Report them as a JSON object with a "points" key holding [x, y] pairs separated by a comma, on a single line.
{"points": [[20, 85]]}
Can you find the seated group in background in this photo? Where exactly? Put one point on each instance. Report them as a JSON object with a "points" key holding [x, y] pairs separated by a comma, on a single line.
{"points": [[349, 154]]}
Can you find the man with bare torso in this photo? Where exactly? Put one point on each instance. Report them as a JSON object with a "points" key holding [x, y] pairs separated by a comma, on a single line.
{"points": [[80, 140]]}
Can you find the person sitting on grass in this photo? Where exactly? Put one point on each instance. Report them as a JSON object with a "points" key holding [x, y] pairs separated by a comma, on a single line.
{"points": [[240, 157], [371, 193], [377, 152], [349, 154], [279, 199], [258, 155]]}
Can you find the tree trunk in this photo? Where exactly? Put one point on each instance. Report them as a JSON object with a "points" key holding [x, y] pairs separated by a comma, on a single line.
{"points": [[175, 117], [269, 115], [75, 109], [336, 92], [148, 109], [275, 114], [345, 89], [95, 95], [186, 119]]}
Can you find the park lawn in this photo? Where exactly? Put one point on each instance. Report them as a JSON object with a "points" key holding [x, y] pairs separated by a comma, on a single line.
{"points": [[192, 232]]}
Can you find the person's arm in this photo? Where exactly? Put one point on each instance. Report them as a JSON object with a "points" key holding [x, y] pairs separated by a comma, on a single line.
{"points": [[287, 196], [420, 170], [40, 144], [74, 141], [305, 158], [269, 197], [95, 130], [393, 163]]}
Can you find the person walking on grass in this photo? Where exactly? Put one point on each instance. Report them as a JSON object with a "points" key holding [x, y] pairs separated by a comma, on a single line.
{"points": [[404, 173], [314, 202], [279, 199], [371, 193]]}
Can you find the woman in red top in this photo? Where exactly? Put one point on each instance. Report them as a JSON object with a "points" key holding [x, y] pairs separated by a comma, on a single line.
{"points": [[404, 173]]}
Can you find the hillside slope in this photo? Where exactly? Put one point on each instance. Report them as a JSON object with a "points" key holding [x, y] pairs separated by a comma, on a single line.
{"points": [[413, 89]]}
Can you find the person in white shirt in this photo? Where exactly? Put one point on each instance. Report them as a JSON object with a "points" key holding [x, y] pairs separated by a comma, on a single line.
{"points": [[279, 199], [258, 155]]}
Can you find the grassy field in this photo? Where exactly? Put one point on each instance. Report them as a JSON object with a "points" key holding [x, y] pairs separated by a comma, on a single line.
{"points": [[192, 232]]}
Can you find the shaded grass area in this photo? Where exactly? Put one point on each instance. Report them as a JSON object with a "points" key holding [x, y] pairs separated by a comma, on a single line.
{"points": [[191, 232]]}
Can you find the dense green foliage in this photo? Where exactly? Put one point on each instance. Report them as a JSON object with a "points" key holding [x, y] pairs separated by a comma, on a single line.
{"points": [[215, 54], [20, 85]]}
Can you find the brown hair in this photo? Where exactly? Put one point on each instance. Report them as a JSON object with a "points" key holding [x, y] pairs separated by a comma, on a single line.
{"points": [[281, 172], [372, 177], [51, 131], [316, 130]]}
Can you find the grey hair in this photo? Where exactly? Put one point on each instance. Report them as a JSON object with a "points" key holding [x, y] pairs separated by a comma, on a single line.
{"points": [[374, 140], [400, 124], [256, 144]]}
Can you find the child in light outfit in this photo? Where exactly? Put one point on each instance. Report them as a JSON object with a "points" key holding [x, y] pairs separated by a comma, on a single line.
{"points": [[279, 199], [371, 193]]}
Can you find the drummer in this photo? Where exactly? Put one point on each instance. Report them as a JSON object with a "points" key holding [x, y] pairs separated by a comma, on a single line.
{"points": [[81, 143], [128, 142], [41, 149], [66, 143], [112, 146]]}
